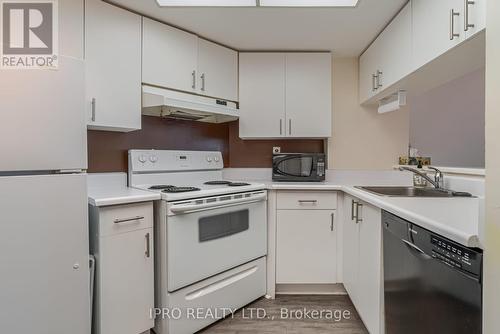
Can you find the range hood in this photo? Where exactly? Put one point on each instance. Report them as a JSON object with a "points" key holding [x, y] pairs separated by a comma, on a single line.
{"points": [[167, 103]]}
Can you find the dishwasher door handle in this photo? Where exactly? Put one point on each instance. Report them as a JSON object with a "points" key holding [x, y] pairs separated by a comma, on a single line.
{"points": [[415, 249]]}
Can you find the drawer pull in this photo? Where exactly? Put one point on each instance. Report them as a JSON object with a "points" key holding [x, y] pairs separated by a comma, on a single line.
{"points": [[126, 220], [311, 201]]}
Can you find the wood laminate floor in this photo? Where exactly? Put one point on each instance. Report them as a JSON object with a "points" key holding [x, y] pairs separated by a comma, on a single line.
{"points": [[278, 317]]}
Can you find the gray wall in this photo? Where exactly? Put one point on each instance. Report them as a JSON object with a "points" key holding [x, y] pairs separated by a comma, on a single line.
{"points": [[447, 123]]}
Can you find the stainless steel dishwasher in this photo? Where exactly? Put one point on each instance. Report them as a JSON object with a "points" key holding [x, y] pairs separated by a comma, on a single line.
{"points": [[431, 284]]}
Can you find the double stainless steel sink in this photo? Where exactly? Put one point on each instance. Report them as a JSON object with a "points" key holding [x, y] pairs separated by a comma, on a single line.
{"points": [[397, 191]]}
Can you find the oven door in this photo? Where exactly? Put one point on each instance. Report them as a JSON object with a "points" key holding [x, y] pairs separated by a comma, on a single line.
{"points": [[206, 239]]}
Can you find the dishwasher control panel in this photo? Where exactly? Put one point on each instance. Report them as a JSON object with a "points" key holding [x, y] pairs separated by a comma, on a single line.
{"points": [[455, 255]]}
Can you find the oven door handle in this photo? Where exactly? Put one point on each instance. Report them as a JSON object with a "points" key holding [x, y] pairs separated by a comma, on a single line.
{"points": [[187, 208]]}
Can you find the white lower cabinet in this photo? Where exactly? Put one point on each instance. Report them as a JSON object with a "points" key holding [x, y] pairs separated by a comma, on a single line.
{"points": [[306, 238], [362, 261], [122, 243]]}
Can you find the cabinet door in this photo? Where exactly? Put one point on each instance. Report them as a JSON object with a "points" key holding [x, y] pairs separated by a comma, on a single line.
{"points": [[306, 247], [169, 57], [308, 94], [432, 28], [262, 95], [350, 249], [113, 67], [217, 71], [476, 16], [395, 43], [370, 285], [126, 282], [367, 71]]}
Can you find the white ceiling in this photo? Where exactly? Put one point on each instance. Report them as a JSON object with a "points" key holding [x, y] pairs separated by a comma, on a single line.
{"points": [[344, 31]]}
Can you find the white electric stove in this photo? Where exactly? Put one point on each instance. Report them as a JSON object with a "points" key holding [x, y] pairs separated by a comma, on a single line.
{"points": [[210, 236]]}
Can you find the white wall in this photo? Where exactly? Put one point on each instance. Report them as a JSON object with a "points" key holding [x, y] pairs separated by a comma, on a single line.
{"points": [[362, 138], [492, 253]]}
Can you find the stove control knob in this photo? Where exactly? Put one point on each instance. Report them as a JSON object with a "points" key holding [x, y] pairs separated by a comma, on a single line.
{"points": [[143, 158], [216, 159], [209, 159], [153, 158]]}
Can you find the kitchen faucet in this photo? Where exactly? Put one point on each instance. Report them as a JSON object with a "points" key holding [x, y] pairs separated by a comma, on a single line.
{"points": [[438, 176]]}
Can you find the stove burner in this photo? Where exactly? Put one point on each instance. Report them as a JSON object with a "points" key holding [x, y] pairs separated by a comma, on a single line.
{"points": [[160, 186], [174, 189], [238, 184], [218, 182]]}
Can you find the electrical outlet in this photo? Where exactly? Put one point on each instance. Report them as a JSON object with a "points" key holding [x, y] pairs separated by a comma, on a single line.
{"points": [[276, 149]]}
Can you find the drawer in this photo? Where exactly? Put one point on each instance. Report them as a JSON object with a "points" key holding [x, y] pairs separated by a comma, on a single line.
{"points": [[125, 218], [306, 200], [232, 289]]}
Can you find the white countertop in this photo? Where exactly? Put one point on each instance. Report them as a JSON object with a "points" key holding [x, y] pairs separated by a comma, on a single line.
{"points": [[454, 218], [110, 189]]}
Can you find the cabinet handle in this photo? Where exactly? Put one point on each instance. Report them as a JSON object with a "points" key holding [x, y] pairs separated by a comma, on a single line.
{"points": [[93, 109], [452, 24], [290, 126], [467, 25], [148, 246], [193, 75], [331, 223], [353, 202], [374, 78], [358, 220], [379, 75], [281, 127], [126, 220], [312, 201], [203, 82]]}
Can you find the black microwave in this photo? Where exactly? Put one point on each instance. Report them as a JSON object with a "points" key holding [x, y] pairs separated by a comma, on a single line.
{"points": [[298, 167]]}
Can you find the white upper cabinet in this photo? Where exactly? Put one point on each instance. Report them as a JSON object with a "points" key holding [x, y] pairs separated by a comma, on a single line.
{"points": [[395, 50], [175, 59], [388, 59], [422, 34], [474, 17], [217, 71], [308, 83], [285, 95], [368, 67], [437, 27], [169, 57], [113, 67], [262, 95]]}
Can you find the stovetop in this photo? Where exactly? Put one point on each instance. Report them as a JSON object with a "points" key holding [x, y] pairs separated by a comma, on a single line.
{"points": [[173, 192]]}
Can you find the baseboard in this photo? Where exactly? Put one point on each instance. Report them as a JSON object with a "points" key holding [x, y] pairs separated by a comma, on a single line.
{"points": [[310, 289]]}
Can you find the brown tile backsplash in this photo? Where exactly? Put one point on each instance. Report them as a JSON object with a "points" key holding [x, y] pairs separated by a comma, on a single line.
{"points": [[107, 150]]}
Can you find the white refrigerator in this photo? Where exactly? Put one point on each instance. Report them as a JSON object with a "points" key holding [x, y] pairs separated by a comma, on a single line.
{"points": [[44, 249]]}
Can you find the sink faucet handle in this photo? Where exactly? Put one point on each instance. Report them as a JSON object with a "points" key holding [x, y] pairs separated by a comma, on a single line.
{"points": [[438, 175]]}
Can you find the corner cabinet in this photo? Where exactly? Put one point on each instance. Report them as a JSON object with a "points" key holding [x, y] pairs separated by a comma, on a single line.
{"points": [[113, 67], [362, 261], [175, 59], [285, 95], [121, 240]]}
